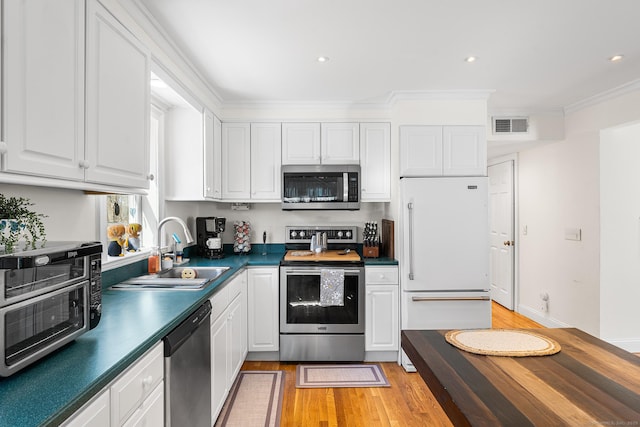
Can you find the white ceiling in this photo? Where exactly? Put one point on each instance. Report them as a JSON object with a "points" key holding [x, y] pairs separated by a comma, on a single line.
{"points": [[536, 55]]}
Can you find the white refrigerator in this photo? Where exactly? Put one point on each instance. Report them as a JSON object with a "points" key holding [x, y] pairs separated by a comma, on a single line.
{"points": [[445, 254]]}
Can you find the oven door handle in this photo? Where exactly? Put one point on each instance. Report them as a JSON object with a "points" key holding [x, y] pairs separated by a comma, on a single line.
{"points": [[317, 272]]}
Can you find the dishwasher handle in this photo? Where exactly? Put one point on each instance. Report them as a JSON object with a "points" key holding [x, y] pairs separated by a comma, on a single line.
{"points": [[184, 330]]}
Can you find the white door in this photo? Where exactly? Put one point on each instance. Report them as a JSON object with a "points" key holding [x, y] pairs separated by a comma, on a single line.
{"points": [[501, 223]]}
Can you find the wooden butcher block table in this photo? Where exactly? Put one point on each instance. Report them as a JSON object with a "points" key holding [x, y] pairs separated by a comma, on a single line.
{"points": [[588, 383]]}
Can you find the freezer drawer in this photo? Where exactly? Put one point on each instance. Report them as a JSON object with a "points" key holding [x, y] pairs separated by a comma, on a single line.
{"points": [[446, 310]]}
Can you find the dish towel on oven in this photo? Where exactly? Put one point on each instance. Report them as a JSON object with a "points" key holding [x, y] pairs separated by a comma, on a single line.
{"points": [[331, 287]]}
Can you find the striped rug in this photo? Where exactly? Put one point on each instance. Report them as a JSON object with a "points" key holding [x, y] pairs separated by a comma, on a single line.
{"points": [[340, 375], [255, 399]]}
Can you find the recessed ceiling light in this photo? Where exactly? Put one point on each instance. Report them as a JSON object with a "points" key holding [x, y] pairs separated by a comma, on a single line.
{"points": [[616, 58], [323, 58], [470, 59]]}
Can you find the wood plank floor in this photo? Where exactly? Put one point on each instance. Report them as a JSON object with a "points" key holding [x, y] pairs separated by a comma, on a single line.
{"points": [[408, 402]]}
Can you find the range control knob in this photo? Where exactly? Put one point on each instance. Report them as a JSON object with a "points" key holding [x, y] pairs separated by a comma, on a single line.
{"points": [[348, 234], [294, 234], [302, 233], [340, 234]]}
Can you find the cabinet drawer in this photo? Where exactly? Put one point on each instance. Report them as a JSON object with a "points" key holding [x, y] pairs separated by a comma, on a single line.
{"points": [[136, 384], [235, 287], [219, 302], [381, 276], [151, 412]]}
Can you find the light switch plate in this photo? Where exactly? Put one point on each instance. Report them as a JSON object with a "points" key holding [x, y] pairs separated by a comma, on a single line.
{"points": [[572, 234]]}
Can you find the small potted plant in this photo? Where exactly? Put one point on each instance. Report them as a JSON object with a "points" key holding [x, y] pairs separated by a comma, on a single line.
{"points": [[18, 220]]}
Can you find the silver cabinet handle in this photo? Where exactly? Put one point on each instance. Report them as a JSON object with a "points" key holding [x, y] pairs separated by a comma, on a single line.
{"points": [[3, 147], [410, 208], [422, 299]]}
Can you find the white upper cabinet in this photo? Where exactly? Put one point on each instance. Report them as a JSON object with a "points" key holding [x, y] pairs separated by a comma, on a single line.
{"points": [[420, 150], [375, 162], [300, 143], [236, 161], [118, 102], [316, 143], [44, 87], [186, 153], [340, 143], [464, 150], [443, 151], [217, 158], [265, 161], [208, 163]]}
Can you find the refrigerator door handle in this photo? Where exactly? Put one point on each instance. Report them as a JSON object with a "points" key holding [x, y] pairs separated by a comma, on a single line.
{"points": [[410, 208], [420, 299]]}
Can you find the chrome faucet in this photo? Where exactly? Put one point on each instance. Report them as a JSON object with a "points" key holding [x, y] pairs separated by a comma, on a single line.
{"points": [[187, 233]]}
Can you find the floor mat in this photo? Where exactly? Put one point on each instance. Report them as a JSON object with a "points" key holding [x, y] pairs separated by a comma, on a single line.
{"points": [[331, 376], [255, 399]]}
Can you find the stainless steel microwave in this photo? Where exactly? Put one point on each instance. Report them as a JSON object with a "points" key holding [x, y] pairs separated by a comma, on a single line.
{"points": [[48, 297], [317, 187]]}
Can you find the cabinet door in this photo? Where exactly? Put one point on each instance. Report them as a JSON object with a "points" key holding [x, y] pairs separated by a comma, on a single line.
{"points": [[219, 365], [151, 412], [238, 337], [340, 143], [118, 102], [266, 158], [208, 153], [217, 158], [464, 151], [375, 161], [420, 150], [184, 154], [301, 143], [236, 161], [96, 413], [264, 332], [381, 318], [43, 44]]}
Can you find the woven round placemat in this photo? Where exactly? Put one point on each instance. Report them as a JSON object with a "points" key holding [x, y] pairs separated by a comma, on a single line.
{"points": [[502, 342]]}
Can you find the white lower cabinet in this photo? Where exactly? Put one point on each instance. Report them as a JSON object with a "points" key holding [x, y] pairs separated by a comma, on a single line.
{"points": [[135, 398], [263, 289], [228, 339], [382, 320], [96, 413]]}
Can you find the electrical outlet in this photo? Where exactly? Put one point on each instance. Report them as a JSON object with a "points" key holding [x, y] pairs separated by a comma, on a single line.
{"points": [[544, 302]]}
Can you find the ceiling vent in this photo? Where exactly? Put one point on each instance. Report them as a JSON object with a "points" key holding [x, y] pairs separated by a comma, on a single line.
{"points": [[507, 125]]}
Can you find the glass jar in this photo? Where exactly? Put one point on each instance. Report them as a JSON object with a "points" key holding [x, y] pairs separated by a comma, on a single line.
{"points": [[154, 260]]}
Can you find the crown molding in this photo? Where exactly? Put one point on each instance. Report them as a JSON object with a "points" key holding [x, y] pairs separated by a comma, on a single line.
{"points": [[426, 95], [153, 28], [624, 89]]}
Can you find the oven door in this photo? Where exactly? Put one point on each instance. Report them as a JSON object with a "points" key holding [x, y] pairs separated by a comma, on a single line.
{"points": [[300, 308], [34, 328]]}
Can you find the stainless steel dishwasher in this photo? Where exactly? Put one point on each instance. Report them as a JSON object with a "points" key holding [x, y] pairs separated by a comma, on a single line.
{"points": [[187, 364]]}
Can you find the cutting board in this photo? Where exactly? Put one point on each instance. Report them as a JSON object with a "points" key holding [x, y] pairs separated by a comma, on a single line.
{"points": [[387, 237], [330, 255]]}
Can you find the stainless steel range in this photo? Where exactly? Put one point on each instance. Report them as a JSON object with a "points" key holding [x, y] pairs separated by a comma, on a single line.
{"points": [[321, 295]]}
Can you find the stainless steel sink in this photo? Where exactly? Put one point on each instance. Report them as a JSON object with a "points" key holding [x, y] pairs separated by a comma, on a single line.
{"points": [[172, 279]]}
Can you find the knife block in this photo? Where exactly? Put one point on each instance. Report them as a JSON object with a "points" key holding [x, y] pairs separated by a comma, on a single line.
{"points": [[371, 251]]}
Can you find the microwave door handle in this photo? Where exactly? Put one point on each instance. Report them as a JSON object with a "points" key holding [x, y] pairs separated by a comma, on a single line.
{"points": [[410, 210], [345, 187]]}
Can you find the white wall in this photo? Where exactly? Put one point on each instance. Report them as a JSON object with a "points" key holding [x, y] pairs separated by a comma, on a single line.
{"points": [[620, 236], [71, 214], [559, 188], [271, 218]]}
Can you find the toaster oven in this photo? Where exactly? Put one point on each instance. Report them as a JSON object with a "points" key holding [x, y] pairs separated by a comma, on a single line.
{"points": [[48, 297]]}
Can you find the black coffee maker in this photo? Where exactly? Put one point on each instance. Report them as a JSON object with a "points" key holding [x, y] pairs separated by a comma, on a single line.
{"points": [[209, 239]]}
